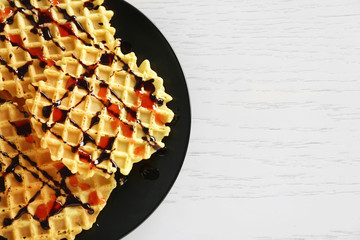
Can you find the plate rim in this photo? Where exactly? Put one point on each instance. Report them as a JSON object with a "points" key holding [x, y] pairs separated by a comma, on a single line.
{"points": [[175, 177]]}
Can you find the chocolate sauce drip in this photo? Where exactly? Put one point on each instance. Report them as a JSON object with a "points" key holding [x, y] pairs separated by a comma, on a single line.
{"points": [[45, 224], [89, 5], [3, 62], [21, 212], [145, 130], [46, 111], [11, 144], [95, 120], [89, 70], [149, 172], [27, 4], [73, 201], [2, 184], [46, 33], [65, 172], [103, 156], [151, 142], [23, 128], [107, 58], [11, 168], [149, 86], [20, 72], [131, 112], [83, 84], [138, 83], [45, 16], [110, 143], [7, 222], [86, 139], [31, 19]]}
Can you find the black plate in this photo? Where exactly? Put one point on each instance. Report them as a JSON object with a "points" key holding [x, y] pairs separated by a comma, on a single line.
{"points": [[132, 203]]}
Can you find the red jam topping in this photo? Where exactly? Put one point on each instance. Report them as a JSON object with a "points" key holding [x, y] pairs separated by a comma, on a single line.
{"points": [[56, 206], [84, 156], [41, 211], [16, 39], [146, 101], [130, 117], [59, 115], [65, 30], [21, 123], [104, 142], [54, 2], [59, 166], [139, 151], [5, 13], [126, 130], [94, 199], [115, 124], [114, 110], [159, 119], [74, 182], [30, 139], [84, 186], [38, 52], [70, 83], [23, 127], [102, 93]]}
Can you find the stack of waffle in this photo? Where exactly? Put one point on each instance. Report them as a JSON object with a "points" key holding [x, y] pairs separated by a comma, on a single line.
{"points": [[74, 109]]}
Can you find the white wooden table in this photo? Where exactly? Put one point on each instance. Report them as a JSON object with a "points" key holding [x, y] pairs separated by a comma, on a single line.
{"points": [[275, 145]]}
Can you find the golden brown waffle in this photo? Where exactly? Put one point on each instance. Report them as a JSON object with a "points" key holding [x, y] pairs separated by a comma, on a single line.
{"points": [[103, 109], [27, 47], [30, 198]]}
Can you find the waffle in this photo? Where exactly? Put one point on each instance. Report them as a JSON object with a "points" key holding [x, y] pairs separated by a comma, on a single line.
{"points": [[129, 125], [73, 110], [27, 195], [26, 50]]}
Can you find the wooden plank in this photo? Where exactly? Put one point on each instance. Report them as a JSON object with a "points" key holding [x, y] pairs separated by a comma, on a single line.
{"points": [[275, 92]]}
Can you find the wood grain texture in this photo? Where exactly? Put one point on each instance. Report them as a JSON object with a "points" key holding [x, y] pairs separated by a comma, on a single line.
{"points": [[275, 144]]}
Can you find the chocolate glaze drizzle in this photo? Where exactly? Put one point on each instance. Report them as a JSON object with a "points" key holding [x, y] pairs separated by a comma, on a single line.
{"points": [[149, 172], [45, 16], [60, 188], [60, 116]]}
